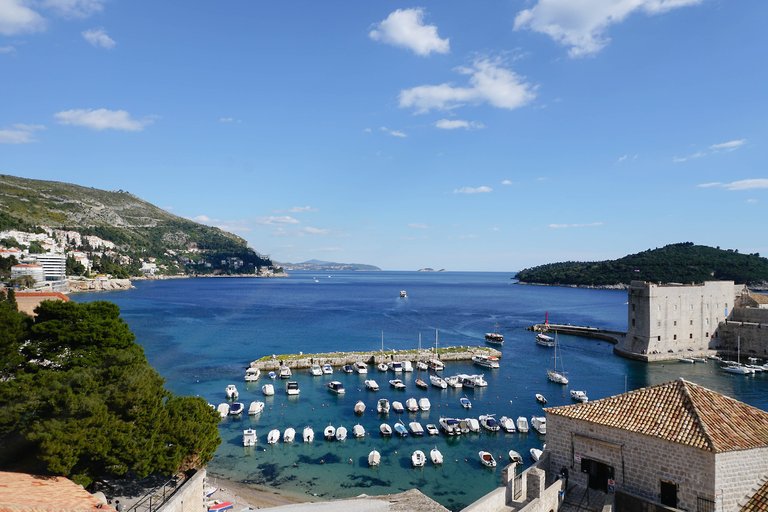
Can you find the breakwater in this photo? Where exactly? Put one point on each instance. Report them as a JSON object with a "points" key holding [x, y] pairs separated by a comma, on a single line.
{"points": [[580, 330], [301, 360]]}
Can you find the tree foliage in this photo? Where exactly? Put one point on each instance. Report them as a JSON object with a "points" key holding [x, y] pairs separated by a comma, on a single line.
{"points": [[78, 398], [676, 263]]}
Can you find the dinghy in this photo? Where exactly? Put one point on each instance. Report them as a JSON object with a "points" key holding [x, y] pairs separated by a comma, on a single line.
{"points": [[418, 459], [308, 434], [374, 458], [435, 456], [487, 459]]}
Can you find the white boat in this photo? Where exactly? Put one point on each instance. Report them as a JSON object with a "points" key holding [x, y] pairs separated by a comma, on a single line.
{"points": [[416, 428], [268, 389], [372, 385], [385, 430], [432, 429], [272, 375], [436, 365], [273, 436], [327, 369], [422, 366], [464, 425], [557, 374], [289, 435], [397, 384], [329, 432], [494, 337], [315, 370], [397, 406], [522, 424], [396, 366], [539, 424], [515, 457], [487, 459], [465, 402], [541, 398], [507, 424], [374, 458], [486, 361], [348, 368], [407, 366], [412, 405], [223, 410], [358, 431], [700, 359], [472, 381], [737, 369], [255, 407], [545, 340], [489, 422], [382, 367], [236, 408], [435, 456], [421, 384], [252, 374], [579, 395], [308, 434], [418, 459], [536, 454], [454, 382], [284, 372], [438, 382], [424, 404], [382, 407], [359, 407], [403, 294], [688, 360], [361, 368], [292, 388], [249, 437], [231, 391], [450, 426], [341, 433], [472, 424], [336, 387]]}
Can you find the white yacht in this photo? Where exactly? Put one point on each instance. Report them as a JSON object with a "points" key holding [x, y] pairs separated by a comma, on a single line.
{"points": [[397, 384], [424, 404], [418, 459], [507, 424], [383, 406], [336, 387], [249, 437], [327, 369], [407, 366], [361, 368], [522, 424], [252, 374], [539, 424], [285, 372], [292, 388], [256, 407], [231, 392], [396, 366], [308, 434], [372, 385], [579, 396], [315, 370], [268, 389], [223, 410], [486, 361], [438, 381], [412, 405]]}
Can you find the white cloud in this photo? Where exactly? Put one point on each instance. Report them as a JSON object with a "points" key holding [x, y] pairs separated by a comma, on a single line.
{"points": [[315, 231], [74, 8], [489, 82], [20, 134], [455, 124], [98, 37], [473, 190], [283, 219], [406, 28], [568, 226], [228, 120], [752, 201], [581, 25], [102, 119], [728, 146], [749, 184], [506, 183], [201, 218], [394, 133], [693, 156], [17, 18], [5, 50], [418, 225]]}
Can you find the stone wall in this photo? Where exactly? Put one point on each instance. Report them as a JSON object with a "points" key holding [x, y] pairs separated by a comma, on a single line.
{"points": [[738, 473], [189, 497], [748, 338]]}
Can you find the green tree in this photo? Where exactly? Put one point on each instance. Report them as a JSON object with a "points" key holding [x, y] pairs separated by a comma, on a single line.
{"points": [[74, 267], [36, 247]]}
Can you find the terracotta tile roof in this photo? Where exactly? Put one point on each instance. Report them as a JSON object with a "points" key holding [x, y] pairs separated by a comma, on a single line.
{"points": [[760, 298], [21, 492], [758, 502], [680, 412], [50, 295]]}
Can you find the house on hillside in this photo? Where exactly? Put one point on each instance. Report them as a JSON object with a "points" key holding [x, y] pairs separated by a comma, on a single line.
{"points": [[676, 444]]}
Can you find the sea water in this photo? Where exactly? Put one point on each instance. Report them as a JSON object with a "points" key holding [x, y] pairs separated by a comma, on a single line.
{"points": [[200, 334]]}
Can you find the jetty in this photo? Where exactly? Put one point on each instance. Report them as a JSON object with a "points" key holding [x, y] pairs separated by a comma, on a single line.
{"points": [[374, 357], [580, 330]]}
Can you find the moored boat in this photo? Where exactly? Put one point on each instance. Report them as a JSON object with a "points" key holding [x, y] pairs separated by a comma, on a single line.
{"points": [[256, 407], [348, 368], [252, 374], [418, 459], [315, 370], [268, 389], [541, 398], [472, 424], [539, 424], [358, 431], [579, 395], [329, 433], [432, 429], [397, 384], [450, 426], [454, 382], [507, 424], [515, 457], [438, 382], [292, 388], [249, 437], [273, 436], [465, 402], [401, 429], [435, 456], [359, 407], [489, 422], [382, 367], [486, 361], [308, 434], [536, 454], [412, 405], [361, 368], [396, 366], [336, 387], [231, 391], [341, 433], [424, 404], [421, 384], [374, 458], [416, 428], [372, 385], [223, 410], [284, 372], [382, 407], [385, 430], [522, 424], [407, 366], [494, 337], [397, 406], [421, 365], [289, 435], [545, 340], [236, 408], [436, 365], [327, 369], [487, 459]]}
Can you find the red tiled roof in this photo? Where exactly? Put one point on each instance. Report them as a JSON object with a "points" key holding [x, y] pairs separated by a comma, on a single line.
{"points": [[21, 492], [760, 298], [53, 295], [26, 265], [758, 502], [680, 412]]}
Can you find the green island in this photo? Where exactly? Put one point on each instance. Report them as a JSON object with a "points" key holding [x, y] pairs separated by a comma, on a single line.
{"points": [[675, 263]]}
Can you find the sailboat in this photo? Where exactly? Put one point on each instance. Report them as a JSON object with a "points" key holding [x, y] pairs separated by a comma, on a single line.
{"points": [[555, 374], [736, 366]]}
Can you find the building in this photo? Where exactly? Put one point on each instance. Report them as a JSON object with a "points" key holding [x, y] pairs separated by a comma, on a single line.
{"points": [[28, 301], [33, 270], [54, 266], [22, 492], [676, 444], [667, 321]]}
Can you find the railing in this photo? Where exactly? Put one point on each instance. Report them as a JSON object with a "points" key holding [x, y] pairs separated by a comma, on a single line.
{"points": [[156, 498], [517, 487], [704, 505]]}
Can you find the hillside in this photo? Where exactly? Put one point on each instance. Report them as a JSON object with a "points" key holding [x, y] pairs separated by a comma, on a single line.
{"points": [[328, 266], [675, 263], [138, 228]]}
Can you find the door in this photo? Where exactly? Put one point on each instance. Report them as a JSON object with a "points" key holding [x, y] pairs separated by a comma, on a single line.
{"points": [[598, 474], [668, 494]]}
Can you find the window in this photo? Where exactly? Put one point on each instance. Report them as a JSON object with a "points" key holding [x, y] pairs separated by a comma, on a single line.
{"points": [[691, 323], [690, 336], [633, 322], [674, 337], [674, 323], [633, 307], [668, 493], [658, 324], [658, 338]]}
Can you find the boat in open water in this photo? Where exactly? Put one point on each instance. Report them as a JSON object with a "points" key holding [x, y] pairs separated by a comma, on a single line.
{"points": [[487, 459], [249, 437]]}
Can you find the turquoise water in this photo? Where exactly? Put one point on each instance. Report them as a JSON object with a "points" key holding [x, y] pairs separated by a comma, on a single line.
{"points": [[200, 334]]}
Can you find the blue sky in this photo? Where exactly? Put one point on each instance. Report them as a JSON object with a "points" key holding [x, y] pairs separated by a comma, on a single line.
{"points": [[447, 134]]}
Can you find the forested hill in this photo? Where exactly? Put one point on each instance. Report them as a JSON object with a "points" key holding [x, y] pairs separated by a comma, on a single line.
{"points": [[676, 263]]}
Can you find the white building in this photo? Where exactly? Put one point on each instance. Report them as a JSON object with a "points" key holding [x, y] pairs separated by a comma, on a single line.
{"points": [[28, 269], [54, 266]]}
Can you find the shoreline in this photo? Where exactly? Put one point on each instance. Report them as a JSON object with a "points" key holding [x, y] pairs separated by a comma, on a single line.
{"points": [[254, 496]]}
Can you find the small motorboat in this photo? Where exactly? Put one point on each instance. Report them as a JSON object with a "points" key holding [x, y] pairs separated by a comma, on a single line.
{"points": [[465, 402], [454, 382], [396, 366], [315, 370], [249, 437], [539, 424], [284, 372], [361, 368], [418, 459], [382, 367], [436, 365], [425, 404], [688, 360], [268, 389], [329, 433], [432, 429], [292, 388], [487, 459], [489, 422], [220, 506], [273, 436], [348, 368], [403, 294], [545, 340], [412, 405], [397, 384], [372, 385], [421, 384], [341, 433], [438, 382], [359, 407], [472, 424], [397, 406], [231, 391], [272, 375], [579, 395], [374, 458], [416, 428], [336, 387], [407, 366], [327, 369], [252, 374], [383, 406], [515, 457], [522, 424], [289, 435], [236, 408], [385, 430], [223, 410], [494, 337], [308, 434], [541, 398], [256, 407], [486, 361], [536, 454], [450, 426], [507, 424], [435, 456], [400, 429], [421, 365], [358, 431]]}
